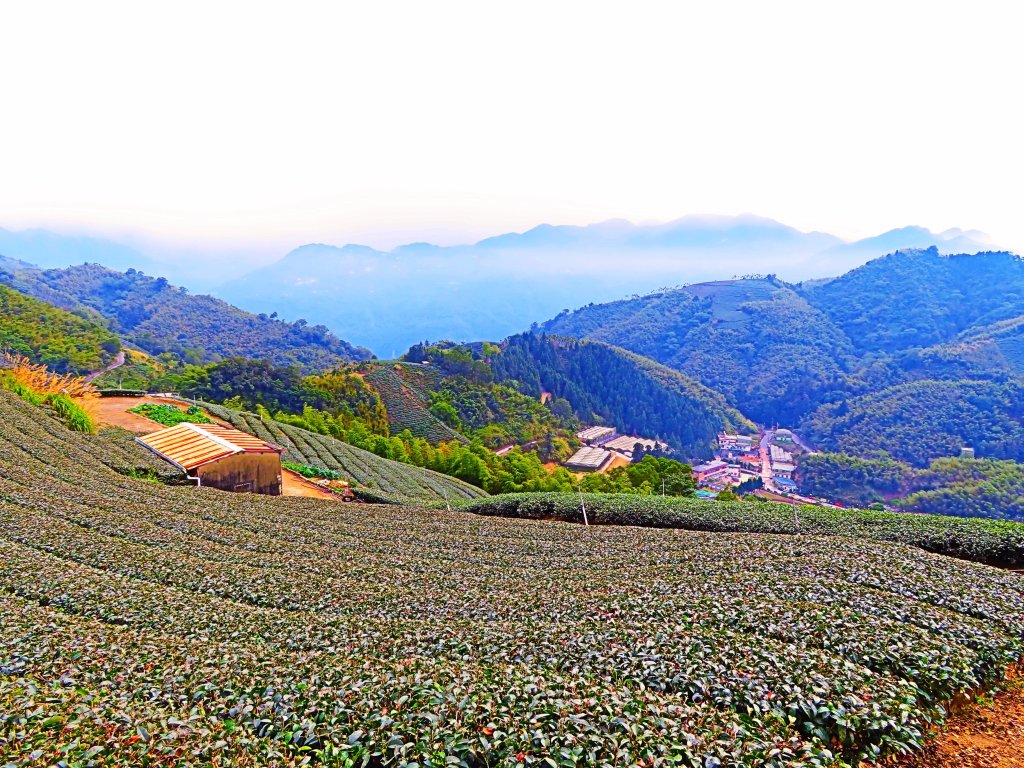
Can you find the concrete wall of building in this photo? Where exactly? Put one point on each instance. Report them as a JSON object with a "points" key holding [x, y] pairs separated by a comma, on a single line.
{"points": [[244, 472]]}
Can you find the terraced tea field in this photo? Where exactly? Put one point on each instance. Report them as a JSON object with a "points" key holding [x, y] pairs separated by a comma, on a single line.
{"points": [[393, 478], [994, 542], [403, 387], [142, 624]]}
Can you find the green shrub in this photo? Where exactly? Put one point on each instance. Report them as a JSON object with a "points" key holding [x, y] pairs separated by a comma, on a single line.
{"points": [[996, 542], [72, 413]]}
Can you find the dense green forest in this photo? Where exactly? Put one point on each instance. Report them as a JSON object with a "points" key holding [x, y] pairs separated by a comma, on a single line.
{"points": [[960, 487], [915, 353], [920, 298], [157, 317], [758, 342], [925, 420], [463, 398], [604, 384], [64, 342]]}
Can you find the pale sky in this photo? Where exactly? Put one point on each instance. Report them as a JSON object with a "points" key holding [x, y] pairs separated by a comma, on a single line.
{"points": [[228, 125]]}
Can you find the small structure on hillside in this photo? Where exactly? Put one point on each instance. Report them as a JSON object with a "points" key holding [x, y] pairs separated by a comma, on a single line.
{"points": [[219, 457], [708, 471], [589, 459], [596, 435]]}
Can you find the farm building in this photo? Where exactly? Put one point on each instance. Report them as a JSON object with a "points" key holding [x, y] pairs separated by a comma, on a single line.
{"points": [[626, 443], [704, 472], [592, 435], [588, 459], [220, 457]]}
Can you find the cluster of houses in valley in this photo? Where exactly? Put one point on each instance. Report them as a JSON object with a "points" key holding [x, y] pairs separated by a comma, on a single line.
{"points": [[771, 457], [604, 448], [743, 458], [736, 461]]}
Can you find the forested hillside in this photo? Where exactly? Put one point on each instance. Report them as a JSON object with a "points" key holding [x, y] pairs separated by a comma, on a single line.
{"points": [[919, 298], [62, 341], [611, 385], [158, 317], [757, 341], [924, 420], [915, 353], [961, 487]]}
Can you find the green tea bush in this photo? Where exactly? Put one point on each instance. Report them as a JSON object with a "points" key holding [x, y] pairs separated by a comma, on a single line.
{"points": [[995, 542], [145, 624]]}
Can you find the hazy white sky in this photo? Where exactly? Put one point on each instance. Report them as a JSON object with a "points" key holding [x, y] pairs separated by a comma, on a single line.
{"points": [[219, 123]]}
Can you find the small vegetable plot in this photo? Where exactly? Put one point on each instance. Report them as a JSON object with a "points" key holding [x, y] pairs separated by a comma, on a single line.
{"points": [[169, 415], [142, 624]]}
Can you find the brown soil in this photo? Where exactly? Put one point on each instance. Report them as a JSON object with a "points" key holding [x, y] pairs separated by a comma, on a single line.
{"points": [[294, 484], [618, 460], [113, 412], [988, 734]]}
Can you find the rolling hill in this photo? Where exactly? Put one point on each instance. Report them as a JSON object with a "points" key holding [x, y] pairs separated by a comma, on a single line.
{"points": [[847, 357], [611, 385], [757, 341], [64, 342], [392, 478], [232, 627], [502, 284], [924, 420], [921, 298], [495, 391], [157, 317]]}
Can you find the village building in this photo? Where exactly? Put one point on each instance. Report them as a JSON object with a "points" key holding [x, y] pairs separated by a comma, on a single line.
{"points": [[783, 469], [626, 443], [785, 484], [703, 473], [785, 436], [589, 459], [750, 461], [220, 457], [741, 443], [596, 435]]}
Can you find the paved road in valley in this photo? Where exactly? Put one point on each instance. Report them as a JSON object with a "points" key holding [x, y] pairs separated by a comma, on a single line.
{"points": [[766, 461]]}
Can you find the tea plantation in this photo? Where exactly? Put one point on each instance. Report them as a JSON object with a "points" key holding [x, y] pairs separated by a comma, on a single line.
{"points": [[394, 479], [995, 542], [145, 624]]}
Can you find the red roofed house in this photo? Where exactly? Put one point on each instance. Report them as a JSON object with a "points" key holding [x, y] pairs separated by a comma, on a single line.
{"points": [[220, 457]]}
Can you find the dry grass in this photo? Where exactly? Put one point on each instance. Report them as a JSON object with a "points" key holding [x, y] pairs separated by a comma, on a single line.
{"points": [[40, 380]]}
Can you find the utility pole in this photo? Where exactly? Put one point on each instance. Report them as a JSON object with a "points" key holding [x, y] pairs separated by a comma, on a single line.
{"points": [[583, 505]]}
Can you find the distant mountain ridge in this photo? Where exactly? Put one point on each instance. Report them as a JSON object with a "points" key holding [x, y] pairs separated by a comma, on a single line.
{"points": [[389, 300], [157, 317], [502, 284], [915, 353]]}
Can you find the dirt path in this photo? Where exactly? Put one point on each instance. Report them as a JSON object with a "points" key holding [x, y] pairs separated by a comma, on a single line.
{"points": [[987, 735], [113, 412], [294, 484], [117, 363]]}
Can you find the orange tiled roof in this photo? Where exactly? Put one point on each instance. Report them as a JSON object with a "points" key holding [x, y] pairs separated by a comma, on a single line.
{"points": [[192, 445]]}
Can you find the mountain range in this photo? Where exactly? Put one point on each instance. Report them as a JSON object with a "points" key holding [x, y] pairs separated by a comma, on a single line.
{"points": [[157, 317], [917, 353], [389, 300]]}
